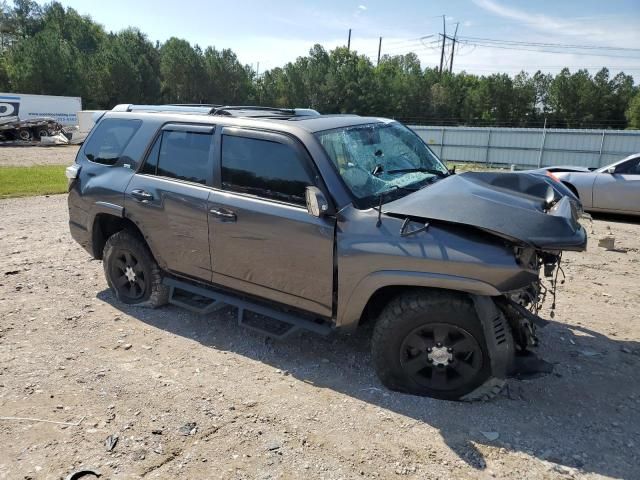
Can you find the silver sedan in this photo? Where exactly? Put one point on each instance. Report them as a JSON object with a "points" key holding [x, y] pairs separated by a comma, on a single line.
{"points": [[614, 188]]}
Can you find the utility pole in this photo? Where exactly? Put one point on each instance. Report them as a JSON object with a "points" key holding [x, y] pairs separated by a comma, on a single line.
{"points": [[349, 41], [258, 70], [453, 47], [379, 50], [444, 39]]}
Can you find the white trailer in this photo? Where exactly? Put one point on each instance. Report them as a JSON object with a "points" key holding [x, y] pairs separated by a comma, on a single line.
{"points": [[63, 110]]}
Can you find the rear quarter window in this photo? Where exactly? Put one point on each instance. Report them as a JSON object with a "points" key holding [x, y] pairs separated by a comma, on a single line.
{"points": [[109, 140]]}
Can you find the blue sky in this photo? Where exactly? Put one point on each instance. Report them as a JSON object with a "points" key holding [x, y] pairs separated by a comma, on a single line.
{"points": [[276, 32]]}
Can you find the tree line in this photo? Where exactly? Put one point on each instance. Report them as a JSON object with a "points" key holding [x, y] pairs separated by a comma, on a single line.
{"points": [[56, 51]]}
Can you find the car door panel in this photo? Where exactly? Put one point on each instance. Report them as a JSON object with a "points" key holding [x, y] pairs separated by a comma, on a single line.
{"points": [[619, 191], [273, 250], [174, 222], [270, 248]]}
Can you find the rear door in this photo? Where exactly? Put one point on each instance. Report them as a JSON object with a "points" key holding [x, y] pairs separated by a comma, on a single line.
{"points": [[263, 240], [619, 191], [167, 198]]}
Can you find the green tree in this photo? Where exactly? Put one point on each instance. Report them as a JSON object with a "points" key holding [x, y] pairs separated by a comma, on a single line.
{"points": [[129, 69], [182, 71], [633, 112], [227, 81]]}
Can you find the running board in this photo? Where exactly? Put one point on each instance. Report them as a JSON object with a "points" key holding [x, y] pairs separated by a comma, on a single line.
{"points": [[254, 316]]}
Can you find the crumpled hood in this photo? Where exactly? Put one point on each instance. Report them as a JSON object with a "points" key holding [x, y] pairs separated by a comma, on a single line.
{"points": [[510, 205]]}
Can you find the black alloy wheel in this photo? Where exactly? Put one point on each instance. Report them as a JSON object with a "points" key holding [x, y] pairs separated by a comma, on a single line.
{"points": [[128, 276], [132, 272], [440, 356]]}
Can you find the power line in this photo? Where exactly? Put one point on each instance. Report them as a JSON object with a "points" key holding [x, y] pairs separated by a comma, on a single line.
{"points": [[541, 50], [557, 45]]}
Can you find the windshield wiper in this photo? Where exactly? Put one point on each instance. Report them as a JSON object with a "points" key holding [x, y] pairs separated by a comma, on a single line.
{"points": [[381, 196], [432, 171]]}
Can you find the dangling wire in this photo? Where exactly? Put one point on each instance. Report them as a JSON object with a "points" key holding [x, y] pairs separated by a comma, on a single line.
{"points": [[555, 284]]}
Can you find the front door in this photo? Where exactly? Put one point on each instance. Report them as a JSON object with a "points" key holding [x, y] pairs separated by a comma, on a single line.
{"points": [[167, 198], [263, 240], [619, 191]]}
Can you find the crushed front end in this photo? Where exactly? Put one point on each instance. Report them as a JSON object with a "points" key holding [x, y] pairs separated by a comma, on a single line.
{"points": [[522, 308]]}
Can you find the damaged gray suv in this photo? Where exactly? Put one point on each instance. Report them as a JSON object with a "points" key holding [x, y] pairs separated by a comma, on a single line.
{"points": [[325, 222]]}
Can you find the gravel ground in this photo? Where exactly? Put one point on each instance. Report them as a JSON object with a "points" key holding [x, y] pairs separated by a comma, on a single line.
{"points": [[198, 397], [26, 156]]}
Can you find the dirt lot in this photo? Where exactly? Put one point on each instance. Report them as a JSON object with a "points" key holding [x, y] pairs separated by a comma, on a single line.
{"points": [[27, 156], [198, 397]]}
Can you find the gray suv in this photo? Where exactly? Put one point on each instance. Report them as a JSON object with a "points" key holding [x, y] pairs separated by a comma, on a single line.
{"points": [[325, 222]]}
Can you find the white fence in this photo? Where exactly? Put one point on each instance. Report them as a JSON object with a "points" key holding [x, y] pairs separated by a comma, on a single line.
{"points": [[530, 147]]}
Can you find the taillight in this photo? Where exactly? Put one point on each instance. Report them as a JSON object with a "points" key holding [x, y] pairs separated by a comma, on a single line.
{"points": [[71, 172], [552, 176]]}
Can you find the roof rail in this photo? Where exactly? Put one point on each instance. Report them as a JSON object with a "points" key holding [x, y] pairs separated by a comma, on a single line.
{"points": [[194, 108], [291, 112], [212, 109], [216, 105]]}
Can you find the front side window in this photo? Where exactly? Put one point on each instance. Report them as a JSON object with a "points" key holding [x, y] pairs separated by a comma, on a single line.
{"points": [[631, 167], [380, 158], [264, 168], [180, 154], [109, 140]]}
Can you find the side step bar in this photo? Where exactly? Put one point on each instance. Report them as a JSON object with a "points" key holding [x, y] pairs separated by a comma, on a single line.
{"points": [[254, 316]]}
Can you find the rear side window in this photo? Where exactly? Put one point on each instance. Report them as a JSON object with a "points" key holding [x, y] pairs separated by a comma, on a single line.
{"points": [[264, 168], [110, 139], [180, 154]]}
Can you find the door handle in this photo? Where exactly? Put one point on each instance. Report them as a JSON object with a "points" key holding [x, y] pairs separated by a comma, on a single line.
{"points": [[141, 195], [223, 214]]}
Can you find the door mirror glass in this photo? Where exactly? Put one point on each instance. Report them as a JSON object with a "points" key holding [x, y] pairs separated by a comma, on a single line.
{"points": [[317, 204], [611, 170]]}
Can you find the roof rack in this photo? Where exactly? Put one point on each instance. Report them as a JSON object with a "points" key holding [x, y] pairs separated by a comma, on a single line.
{"points": [[212, 109], [192, 108], [260, 111]]}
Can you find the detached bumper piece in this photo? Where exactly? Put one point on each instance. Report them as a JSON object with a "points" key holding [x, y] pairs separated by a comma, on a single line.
{"points": [[254, 316]]}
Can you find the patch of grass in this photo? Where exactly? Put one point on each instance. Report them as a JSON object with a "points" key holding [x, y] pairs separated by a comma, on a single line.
{"points": [[29, 181]]}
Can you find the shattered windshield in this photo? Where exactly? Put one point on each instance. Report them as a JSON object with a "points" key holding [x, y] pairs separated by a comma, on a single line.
{"points": [[380, 158]]}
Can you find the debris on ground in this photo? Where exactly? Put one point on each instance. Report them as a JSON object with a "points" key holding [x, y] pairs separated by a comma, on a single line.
{"points": [[188, 429], [110, 442], [81, 474], [607, 242]]}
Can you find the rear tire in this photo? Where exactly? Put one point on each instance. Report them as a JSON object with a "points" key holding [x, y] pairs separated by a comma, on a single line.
{"points": [[431, 344], [131, 271]]}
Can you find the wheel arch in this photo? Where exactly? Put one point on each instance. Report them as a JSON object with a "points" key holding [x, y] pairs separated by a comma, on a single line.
{"points": [[373, 292], [104, 226]]}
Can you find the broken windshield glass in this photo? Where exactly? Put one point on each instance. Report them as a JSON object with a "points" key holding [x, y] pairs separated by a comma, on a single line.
{"points": [[381, 157]]}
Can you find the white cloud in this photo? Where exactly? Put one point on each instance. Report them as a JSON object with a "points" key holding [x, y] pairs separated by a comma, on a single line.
{"points": [[362, 7], [592, 30]]}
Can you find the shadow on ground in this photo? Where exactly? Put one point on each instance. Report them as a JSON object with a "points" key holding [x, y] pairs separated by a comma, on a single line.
{"points": [[585, 415], [616, 218]]}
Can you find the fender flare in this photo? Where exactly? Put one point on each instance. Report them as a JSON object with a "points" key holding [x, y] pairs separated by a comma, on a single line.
{"points": [[350, 312]]}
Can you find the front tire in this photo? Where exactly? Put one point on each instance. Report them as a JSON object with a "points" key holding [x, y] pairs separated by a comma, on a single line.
{"points": [[131, 271], [431, 344]]}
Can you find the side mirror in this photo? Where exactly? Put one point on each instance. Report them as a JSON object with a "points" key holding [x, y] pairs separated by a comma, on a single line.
{"points": [[611, 170], [452, 171], [317, 204]]}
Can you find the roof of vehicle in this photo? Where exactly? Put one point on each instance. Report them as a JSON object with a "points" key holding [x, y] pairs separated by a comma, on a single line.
{"points": [[266, 119]]}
